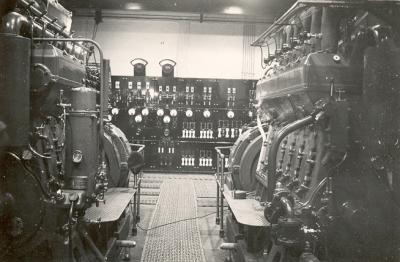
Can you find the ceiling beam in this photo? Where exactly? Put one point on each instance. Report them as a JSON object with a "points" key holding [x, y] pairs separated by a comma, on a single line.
{"points": [[176, 16]]}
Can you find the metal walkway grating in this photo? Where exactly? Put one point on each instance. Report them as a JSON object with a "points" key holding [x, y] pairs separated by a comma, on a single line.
{"points": [[179, 242]]}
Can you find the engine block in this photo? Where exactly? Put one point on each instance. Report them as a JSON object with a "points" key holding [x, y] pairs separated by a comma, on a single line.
{"points": [[322, 159], [58, 156]]}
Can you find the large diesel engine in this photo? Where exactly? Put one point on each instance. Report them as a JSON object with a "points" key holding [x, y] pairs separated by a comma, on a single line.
{"points": [[318, 178], [64, 180]]}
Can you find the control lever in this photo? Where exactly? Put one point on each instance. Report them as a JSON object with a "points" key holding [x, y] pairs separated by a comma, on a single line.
{"points": [[73, 199]]}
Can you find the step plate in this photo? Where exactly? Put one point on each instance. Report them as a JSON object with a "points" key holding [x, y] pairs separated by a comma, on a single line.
{"points": [[117, 199], [247, 211]]}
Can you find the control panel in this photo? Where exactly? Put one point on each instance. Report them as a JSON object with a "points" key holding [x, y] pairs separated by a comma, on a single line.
{"points": [[181, 120]]}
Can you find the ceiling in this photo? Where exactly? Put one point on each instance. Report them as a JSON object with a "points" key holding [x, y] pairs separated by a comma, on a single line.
{"points": [[226, 7]]}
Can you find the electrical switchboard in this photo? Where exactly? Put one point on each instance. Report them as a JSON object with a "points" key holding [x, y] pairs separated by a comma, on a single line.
{"points": [[181, 120]]}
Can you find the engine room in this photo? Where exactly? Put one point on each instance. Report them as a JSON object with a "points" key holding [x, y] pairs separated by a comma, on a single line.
{"points": [[225, 131]]}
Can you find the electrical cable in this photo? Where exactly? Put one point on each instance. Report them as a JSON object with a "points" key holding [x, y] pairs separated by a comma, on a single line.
{"points": [[178, 221], [36, 153], [31, 173]]}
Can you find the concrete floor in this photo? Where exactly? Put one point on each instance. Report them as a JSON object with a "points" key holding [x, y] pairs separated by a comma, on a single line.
{"points": [[205, 191]]}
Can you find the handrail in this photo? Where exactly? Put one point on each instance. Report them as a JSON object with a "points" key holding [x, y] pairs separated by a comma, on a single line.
{"points": [[220, 148], [140, 147]]}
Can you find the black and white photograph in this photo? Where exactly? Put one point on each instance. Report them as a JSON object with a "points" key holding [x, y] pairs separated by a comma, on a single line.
{"points": [[199, 130]]}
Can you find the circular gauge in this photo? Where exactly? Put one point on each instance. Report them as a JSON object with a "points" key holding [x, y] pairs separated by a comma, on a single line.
{"points": [[173, 112], [250, 113], [189, 113], [206, 113], [160, 112], [145, 111], [131, 111], [115, 111], [138, 118], [166, 119], [230, 114]]}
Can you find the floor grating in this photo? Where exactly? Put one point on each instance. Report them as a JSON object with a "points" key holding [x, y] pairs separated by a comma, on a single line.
{"points": [[177, 242]]}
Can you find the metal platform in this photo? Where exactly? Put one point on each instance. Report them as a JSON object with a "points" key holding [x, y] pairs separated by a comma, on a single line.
{"points": [[116, 200], [177, 242], [247, 211]]}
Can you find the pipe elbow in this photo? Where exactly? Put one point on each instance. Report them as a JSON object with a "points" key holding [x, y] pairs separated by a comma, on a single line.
{"points": [[287, 207], [14, 23], [273, 151]]}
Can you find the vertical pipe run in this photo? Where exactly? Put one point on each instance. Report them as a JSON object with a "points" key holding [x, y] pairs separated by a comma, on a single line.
{"points": [[217, 219], [82, 147], [289, 32], [315, 27], [307, 23], [329, 29], [221, 231], [221, 208], [138, 199]]}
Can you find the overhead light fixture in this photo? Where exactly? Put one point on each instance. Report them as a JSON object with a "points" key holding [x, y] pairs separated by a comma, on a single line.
{"points": [[133, 6], [233, 10]]}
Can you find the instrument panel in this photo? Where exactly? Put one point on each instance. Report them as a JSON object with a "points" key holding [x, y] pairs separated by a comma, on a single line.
{"points": [[181, 120]]}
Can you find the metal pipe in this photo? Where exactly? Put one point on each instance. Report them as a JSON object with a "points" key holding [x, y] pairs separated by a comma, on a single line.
{"points": [[13, 22], [329, 29], [92, 246], [287, 207], [300, 4], [139, 146], [221, 230], [217, 219], [315, 28], [70, 217], [274, 148], [126, 243], [138, 199], [50, 22]]}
